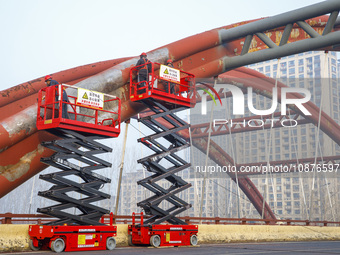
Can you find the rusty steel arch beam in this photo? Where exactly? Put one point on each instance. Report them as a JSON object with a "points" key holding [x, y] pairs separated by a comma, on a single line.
{"points": [[201, 54]]}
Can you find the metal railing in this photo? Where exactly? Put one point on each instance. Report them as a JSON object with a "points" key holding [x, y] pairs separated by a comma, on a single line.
{"points": [[9, 218]]}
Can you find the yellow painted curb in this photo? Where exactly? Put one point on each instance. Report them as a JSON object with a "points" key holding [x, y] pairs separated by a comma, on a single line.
{"points": [[264, 233]]}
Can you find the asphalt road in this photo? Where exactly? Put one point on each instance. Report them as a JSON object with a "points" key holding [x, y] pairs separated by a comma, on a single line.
{"points": [[291, 248]]}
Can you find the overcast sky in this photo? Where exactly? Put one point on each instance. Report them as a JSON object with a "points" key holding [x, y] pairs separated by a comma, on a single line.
{"points": [[39, 37]]}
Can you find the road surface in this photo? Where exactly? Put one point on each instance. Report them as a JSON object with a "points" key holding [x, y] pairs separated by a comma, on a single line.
{"points": [[291, 248]]}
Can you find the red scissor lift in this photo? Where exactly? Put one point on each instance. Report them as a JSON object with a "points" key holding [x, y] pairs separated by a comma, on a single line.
{"points": [[87, 118], [161, 227]]}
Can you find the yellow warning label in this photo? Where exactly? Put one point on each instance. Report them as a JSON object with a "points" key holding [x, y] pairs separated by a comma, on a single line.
{"points": [[85, 96], [167, 237], [81, 239], [90, 98], [47, 121], [169, 74]]}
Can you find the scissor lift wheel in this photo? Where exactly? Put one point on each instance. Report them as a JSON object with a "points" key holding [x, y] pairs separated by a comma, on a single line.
{"points": [[32, 247], [58, 245], [155, 241], [110, 243], [193, 240]]}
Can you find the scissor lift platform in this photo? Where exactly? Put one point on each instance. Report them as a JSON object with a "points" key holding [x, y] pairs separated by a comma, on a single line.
{"points": [[157, 86], [87, 111], [87, 118]]}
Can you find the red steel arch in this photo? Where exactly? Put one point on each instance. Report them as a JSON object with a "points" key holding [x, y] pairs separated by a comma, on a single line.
{"points": [[201, 54]]}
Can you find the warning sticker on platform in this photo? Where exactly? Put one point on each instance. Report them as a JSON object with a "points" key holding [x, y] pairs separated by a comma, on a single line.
{"points": [[168, 73], [81, 239], [90, 98]]}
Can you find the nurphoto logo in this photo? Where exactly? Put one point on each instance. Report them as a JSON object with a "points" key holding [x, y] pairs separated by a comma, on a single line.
{"points": [[238, 99]]}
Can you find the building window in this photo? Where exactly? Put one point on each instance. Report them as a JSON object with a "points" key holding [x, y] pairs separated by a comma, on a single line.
{"points": [[309, 61]]}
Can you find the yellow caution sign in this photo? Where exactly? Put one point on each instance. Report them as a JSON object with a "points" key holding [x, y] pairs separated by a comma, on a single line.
{"points": [[90, 98], [85, 96], [169, 73]]}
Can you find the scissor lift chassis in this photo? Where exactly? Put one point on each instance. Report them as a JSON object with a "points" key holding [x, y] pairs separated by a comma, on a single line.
{"points": [[163, 235], [72, 238]]}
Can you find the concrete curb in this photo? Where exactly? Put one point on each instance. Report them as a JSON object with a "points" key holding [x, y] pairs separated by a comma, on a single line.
{"points": [[264, 233], [14, 237]]}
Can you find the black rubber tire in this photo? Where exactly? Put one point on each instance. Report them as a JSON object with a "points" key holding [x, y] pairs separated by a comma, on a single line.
{"points": [[32, 247], [130, 241], [155, 241], [58, 245], [193, 240], [110, 243]]}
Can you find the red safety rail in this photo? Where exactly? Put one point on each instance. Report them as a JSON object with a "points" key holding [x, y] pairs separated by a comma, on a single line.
{"points": [[158, 86], [94, 116], [161, 234]]}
